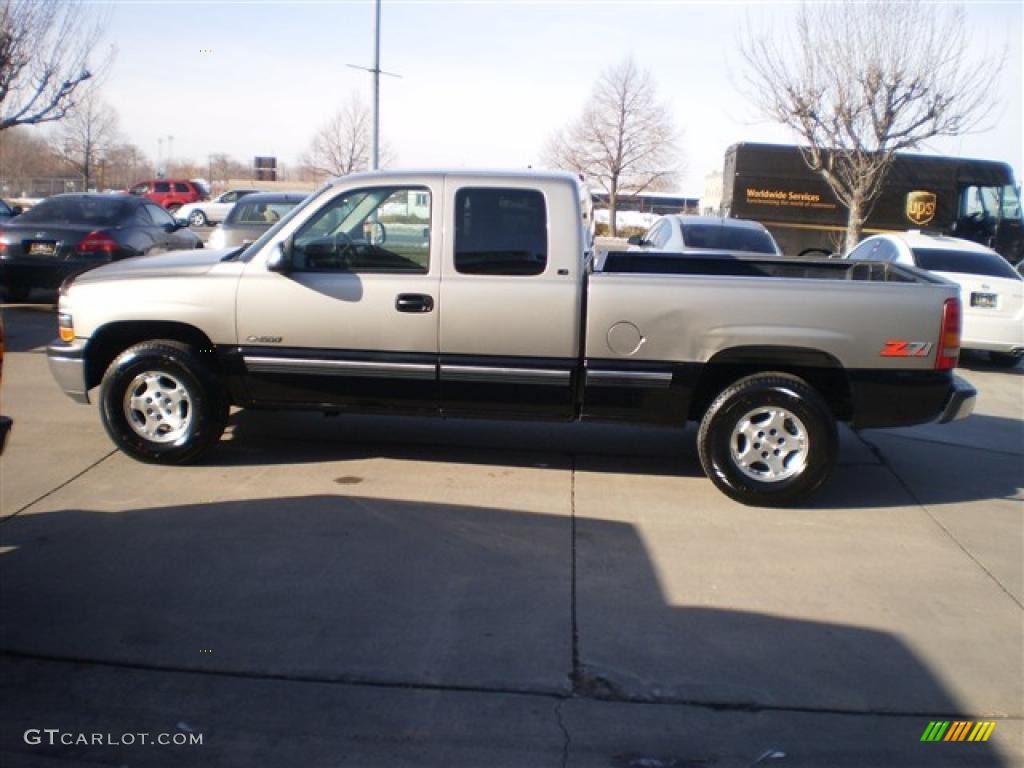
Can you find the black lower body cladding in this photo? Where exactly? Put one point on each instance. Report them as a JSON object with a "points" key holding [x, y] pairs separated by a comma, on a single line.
{"points": [[882, 398]]}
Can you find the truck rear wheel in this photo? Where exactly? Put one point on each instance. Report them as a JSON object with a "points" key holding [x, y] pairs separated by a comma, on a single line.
{"points": [[768, 440], [159, 404]]}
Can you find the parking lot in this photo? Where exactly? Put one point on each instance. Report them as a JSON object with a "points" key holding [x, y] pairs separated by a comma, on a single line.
{"points": [[383, 591]]}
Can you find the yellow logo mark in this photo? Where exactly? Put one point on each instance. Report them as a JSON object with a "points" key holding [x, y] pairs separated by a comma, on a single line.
{"points": [[960, 730], [921, 206]]}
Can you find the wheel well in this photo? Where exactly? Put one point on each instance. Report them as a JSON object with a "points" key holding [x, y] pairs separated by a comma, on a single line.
{"points": [[113, 339], [817, 368]]}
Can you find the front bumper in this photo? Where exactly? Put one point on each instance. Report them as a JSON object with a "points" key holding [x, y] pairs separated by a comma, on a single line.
{"points": [[961, 401], [67, 364]]}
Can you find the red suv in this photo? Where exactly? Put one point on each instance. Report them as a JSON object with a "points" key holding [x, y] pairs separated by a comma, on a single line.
{"points": [[170, 193]]}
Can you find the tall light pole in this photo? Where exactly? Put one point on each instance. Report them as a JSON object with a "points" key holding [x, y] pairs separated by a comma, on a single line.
{"points": [[377, 72], [375, 160]]}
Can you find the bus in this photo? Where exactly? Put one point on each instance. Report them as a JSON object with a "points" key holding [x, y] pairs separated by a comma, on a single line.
{"points": [[973, 199]]}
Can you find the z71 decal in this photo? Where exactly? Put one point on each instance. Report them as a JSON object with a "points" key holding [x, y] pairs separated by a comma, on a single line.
{"points": [[901, 348]]}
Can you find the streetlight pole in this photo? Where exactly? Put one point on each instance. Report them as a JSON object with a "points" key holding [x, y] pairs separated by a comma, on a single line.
{"points": [[377, 72], [376, 91]]}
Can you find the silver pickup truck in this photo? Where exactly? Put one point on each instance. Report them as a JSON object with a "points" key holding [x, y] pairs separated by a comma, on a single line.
{"points": [[476, 294]]}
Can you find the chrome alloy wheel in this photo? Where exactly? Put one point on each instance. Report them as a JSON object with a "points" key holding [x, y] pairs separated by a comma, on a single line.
{"points": [[158, 407], [769, 444]]}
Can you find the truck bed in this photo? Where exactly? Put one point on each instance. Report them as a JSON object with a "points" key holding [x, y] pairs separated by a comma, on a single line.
{"points": [[687, 308], [729, 265]]}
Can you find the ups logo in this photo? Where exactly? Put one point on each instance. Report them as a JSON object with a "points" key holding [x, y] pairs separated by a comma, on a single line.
{"points": [[920, 207]]}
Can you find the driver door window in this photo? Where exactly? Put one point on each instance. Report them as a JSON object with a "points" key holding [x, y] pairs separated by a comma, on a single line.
{"points": [[381, 229]]}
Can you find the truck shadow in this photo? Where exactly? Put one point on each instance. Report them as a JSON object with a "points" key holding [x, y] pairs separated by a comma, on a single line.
{"points": [[264, 437], [435, 597], [867, 476], [978, 361]]}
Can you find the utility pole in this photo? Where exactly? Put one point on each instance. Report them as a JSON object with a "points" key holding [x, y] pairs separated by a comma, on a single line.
{"points": [[377, 72], [375, 160]]}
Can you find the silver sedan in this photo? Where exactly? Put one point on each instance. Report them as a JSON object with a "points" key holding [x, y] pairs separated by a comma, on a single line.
{"points": [[678, 233]]}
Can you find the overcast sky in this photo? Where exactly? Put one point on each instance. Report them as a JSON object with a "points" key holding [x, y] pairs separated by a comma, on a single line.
{"points": [[483, 84]]}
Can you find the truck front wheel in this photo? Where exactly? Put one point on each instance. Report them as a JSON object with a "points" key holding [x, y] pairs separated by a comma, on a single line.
{"points": [[768, 440], [159, 404]]}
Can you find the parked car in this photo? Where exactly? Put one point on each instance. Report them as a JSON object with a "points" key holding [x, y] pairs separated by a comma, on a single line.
{"points": [[5, 421], [676, 233], [9, 211], [253, 216], [202, 214], [170, 193], [991, 291], [66, 234]]}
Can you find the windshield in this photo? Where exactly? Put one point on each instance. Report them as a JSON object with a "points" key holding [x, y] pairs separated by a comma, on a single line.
{"points": [[727, 238], [91, 211], [964, 262]]}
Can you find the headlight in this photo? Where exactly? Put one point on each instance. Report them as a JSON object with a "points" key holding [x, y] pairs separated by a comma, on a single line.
{"points": [[216, 238]]}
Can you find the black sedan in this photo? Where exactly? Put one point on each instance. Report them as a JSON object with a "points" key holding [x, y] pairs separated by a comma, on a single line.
{"points": [[67, 234]]}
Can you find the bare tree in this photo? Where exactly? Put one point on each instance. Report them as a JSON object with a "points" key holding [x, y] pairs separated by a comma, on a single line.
{"points": [[45, 51], [859, 82], [223, 167], [86, 135], [24, 156], [342, 145], [123, 164], [625, 138]]}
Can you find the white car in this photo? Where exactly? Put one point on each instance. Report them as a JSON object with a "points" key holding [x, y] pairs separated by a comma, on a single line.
{"points": [[678, 233], [991, 291], [212, 211]]}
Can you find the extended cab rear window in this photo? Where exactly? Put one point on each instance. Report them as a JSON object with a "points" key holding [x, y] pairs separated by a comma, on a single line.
{"points": [[964, 262], [500, 232]]}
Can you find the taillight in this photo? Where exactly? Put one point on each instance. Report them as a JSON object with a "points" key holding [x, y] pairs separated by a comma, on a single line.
{"points": [[98, 242], [949, 336], [3, 241]]}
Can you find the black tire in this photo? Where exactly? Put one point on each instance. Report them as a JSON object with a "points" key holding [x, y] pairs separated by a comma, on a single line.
{"points": [[1003, 360], [197, 219], [800, 437], [168, 374]]}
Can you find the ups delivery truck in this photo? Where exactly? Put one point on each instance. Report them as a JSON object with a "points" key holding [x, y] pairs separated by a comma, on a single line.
{"points": [[972, 199]]}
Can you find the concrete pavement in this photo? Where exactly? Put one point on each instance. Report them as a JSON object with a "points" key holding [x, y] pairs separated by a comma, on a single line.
{"points": [[357, 591]]}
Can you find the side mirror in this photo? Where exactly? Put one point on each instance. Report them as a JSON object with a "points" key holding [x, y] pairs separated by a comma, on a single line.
{"points": [[376, 234], [635, 240], [174, 226], [181, 223], [17, 210], [280, 259]]}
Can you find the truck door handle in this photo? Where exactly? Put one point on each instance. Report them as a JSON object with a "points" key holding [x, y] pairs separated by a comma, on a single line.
{"points": [[414, 302]]}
